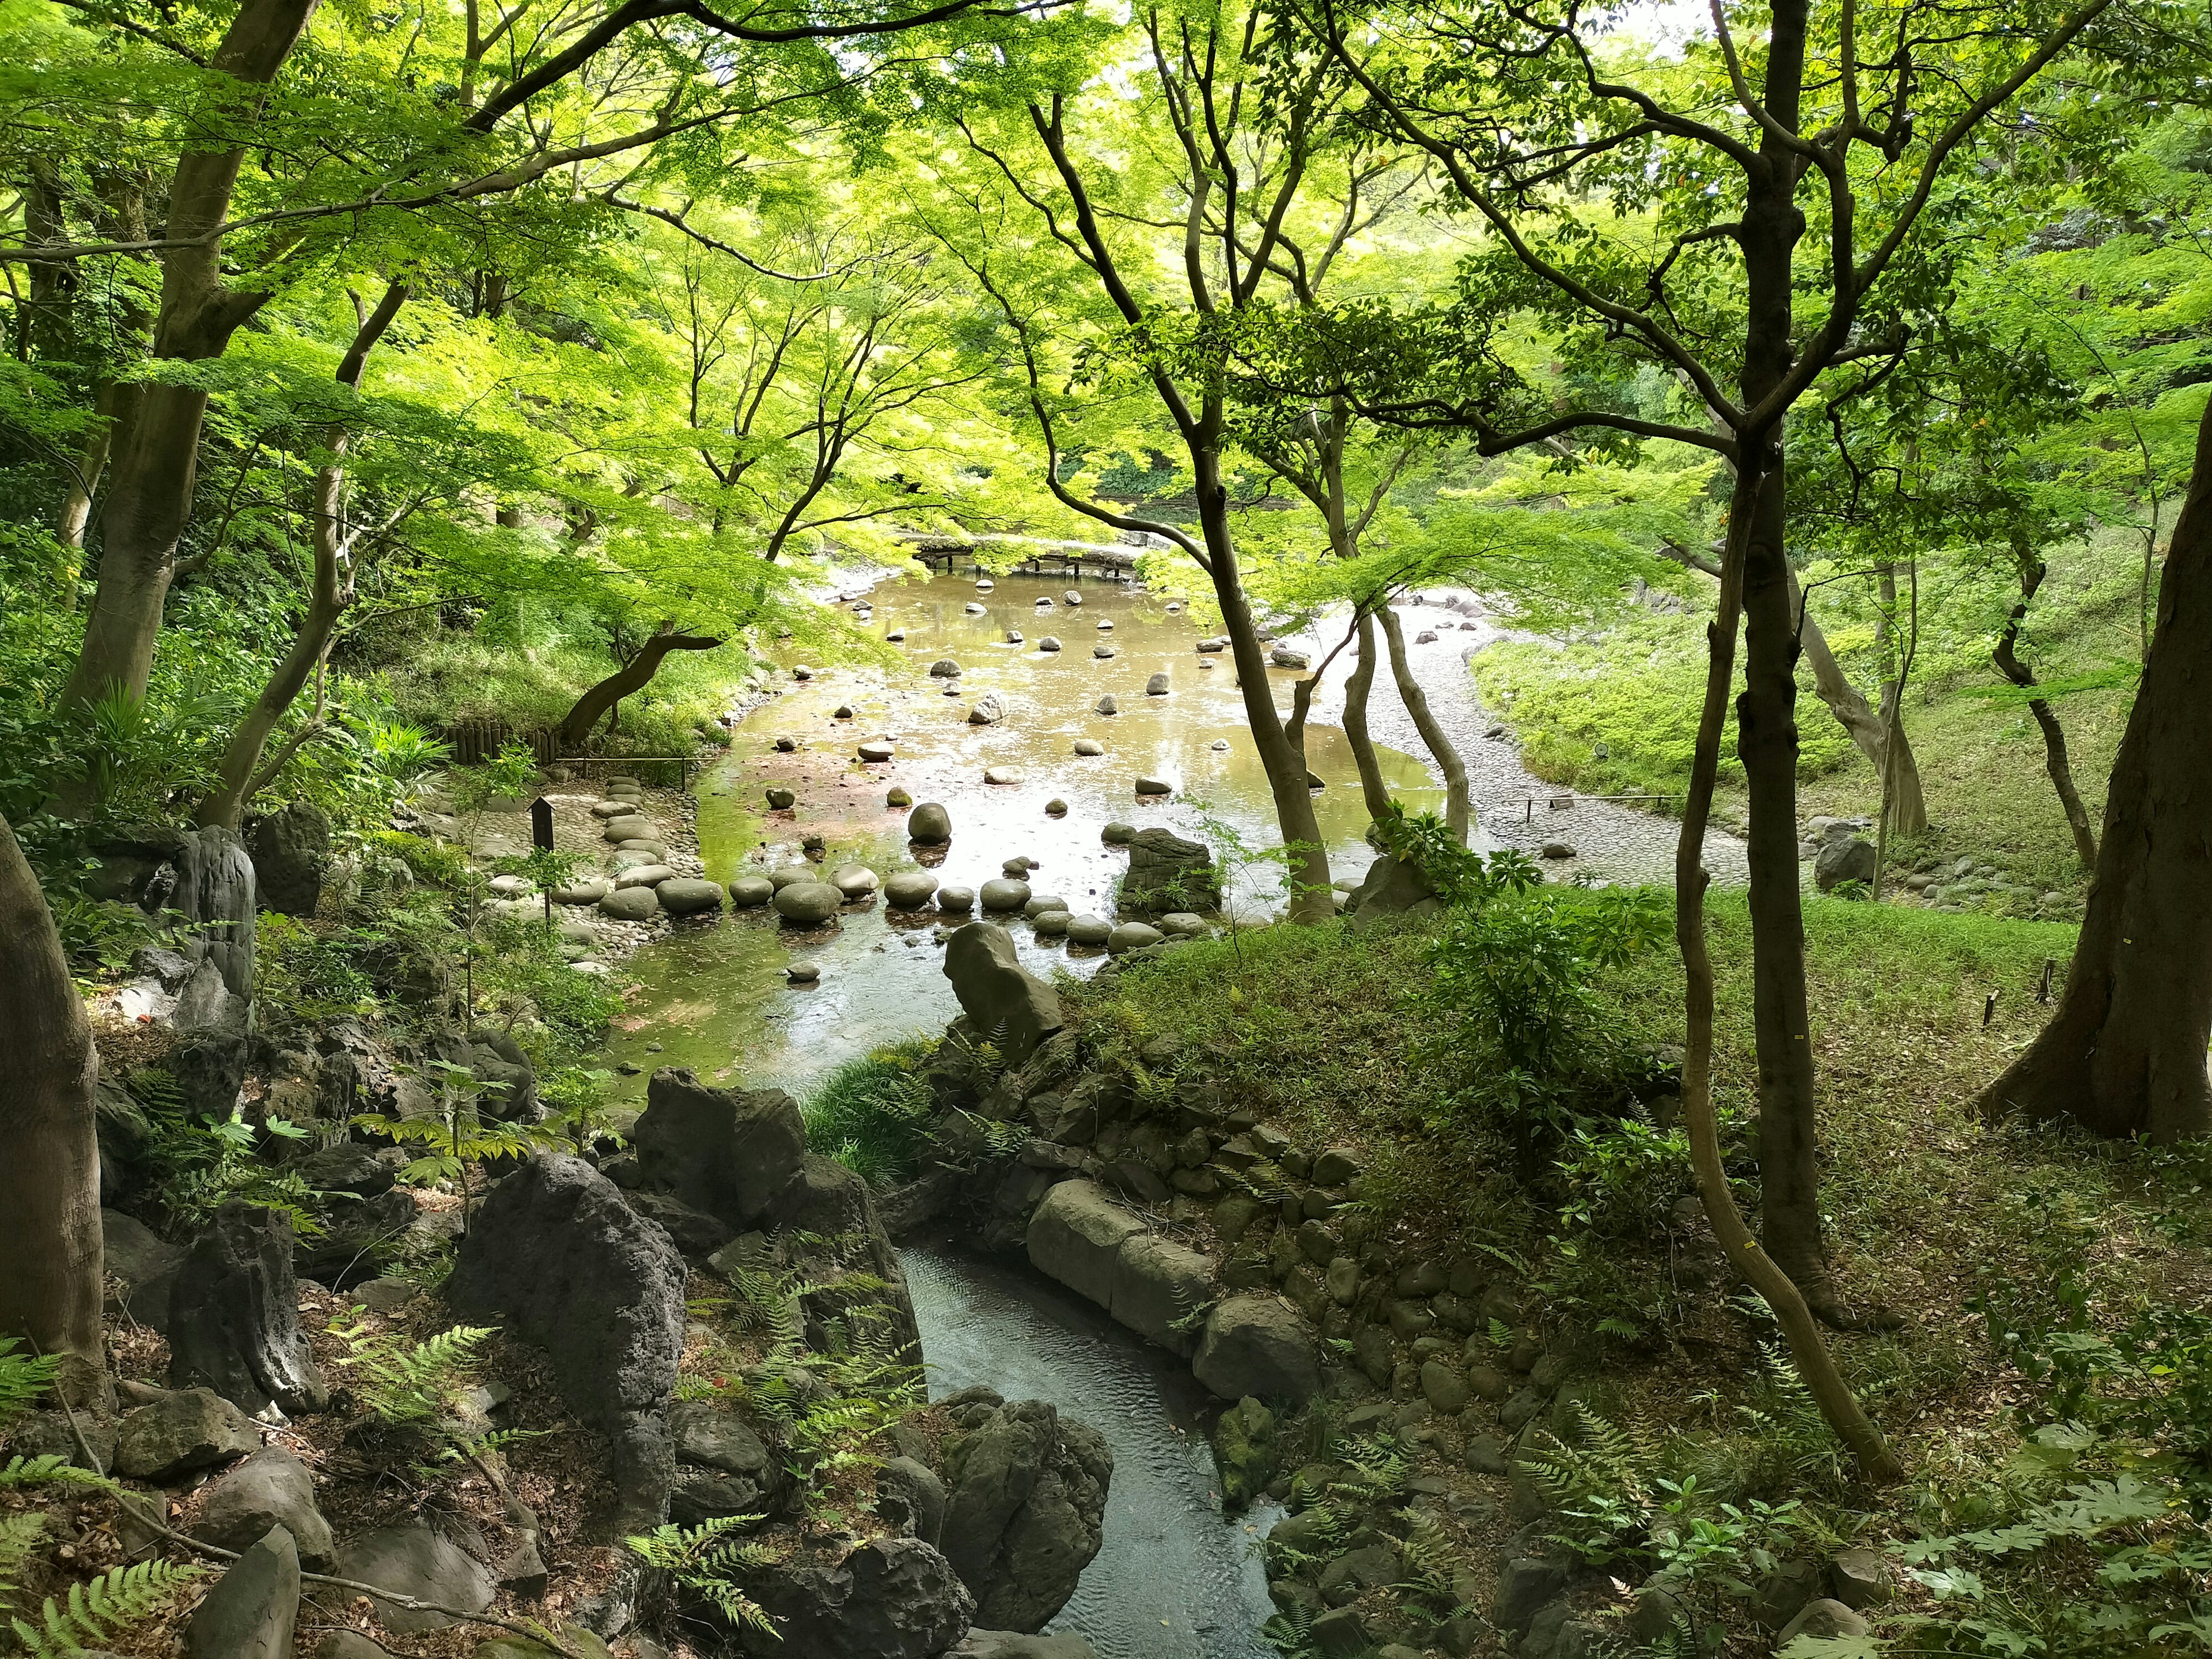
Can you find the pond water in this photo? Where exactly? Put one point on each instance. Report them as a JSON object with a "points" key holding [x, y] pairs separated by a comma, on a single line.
{"points": [[715, 997]]}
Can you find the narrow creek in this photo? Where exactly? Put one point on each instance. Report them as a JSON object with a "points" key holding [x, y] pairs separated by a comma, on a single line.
{"points": [[1173, 1579]]}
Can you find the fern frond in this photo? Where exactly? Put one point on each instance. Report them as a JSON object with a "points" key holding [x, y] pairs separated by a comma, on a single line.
{"points": [[96, 1610], [52, 1469], [19, 1535], [24, 1379]]}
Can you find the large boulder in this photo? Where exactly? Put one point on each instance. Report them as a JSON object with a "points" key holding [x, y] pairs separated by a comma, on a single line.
{"points": [[684, 896], [853, 1266], [290, 848], [1026, 1492], [272, 1488], [889, 1598], [1007, 1005], [252, 1611], [560, 1261], [181, 1434], [728, 1152], [1258, 1345], [145, 1262], [214, 889], [1167, 872], [808, 904], [1844, 858], [910, 889], [1392, 887], [234, 1316], [1076, 1237], [930, 824], [1159, 1289], [417, 1562]]}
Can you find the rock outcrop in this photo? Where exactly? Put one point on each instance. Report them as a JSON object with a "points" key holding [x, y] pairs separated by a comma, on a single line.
{"points": [[1007, 1006], [558, 1259], [290, 848], [1026, 1494], [234, 1316], [889, 1598], [728, 1152], [1167, 872]]}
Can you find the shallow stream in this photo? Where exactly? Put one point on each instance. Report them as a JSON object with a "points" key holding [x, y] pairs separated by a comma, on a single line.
{"points": [[1173, 1579]]}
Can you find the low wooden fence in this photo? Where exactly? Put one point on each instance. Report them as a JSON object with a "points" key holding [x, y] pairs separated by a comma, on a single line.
{"points": [[477, 740]]}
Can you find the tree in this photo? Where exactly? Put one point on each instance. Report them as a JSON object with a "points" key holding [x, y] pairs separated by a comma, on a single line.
{"points": [[50, 1174], [2125, 1053], [633, 675], [406, 161], [1764, 132]]}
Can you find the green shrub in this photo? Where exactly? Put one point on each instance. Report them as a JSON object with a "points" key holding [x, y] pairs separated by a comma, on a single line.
{"points": [[869, 1113]]}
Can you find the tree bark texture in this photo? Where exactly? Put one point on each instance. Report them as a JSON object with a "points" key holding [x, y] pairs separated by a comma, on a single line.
{"points": [[49, 1148], [2125, 1053], [1372, 789], [156, 454], [238, 774], [1458, 814], [2056, 760], [632, 676]]}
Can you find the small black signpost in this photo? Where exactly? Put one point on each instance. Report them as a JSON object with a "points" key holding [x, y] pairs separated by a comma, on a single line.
{"points": [[541, 836]]}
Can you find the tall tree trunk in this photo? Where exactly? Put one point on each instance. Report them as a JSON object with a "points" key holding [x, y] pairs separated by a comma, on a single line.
{"points": [[2125, 1053], [1372, 789], [1905, 808], [1311, 900], [1457, 815], [1814, 1363], [156, 456], [1766, 723], [237, 777], [632, 676], [2055, 758], [49, 1146]]}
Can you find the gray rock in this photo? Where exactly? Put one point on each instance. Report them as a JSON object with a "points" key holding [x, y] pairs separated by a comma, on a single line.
{"points": [[234, 1316], [1118, 834], [1002, 775], [1004, 893], [1157, 686], [1258, 1345], [876, 751], [1089, 746], [1167, 872], [588, 890], [252, 1611], [956, 901], [1026, 1492], [787, 875], [1004, 1001], [414, 1561], [684, 896], [1101, 651], [1106, 705], [1339, 1634], [944, 669], [802, 972], [290, 848], [726, 1152], [559, 1259], [215, 890], [751, 892], [1283, 657], [1017, 1644], [630, 828], [1823, 1618], [146, 1263], [181, 1434], [809, 903], [1392, 887], [1132, 936], [897, 799], [917, 1486], [1557, 849], [1154, 786], [930, 824], [780, 800], [1089, 930], [1842, 859], [1159, 1286], [989, 709], [1048, 643], [1524, 1587], [1049, 924], [910, 889], [855, 881], [1038, 903], [889, 1598], [271, 1488], [631, 904], [1076, 1237], [1857, 1578]]}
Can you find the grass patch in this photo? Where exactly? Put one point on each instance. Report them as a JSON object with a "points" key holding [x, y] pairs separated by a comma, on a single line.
{"points": [[870, 1113], [1633, 691]]}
